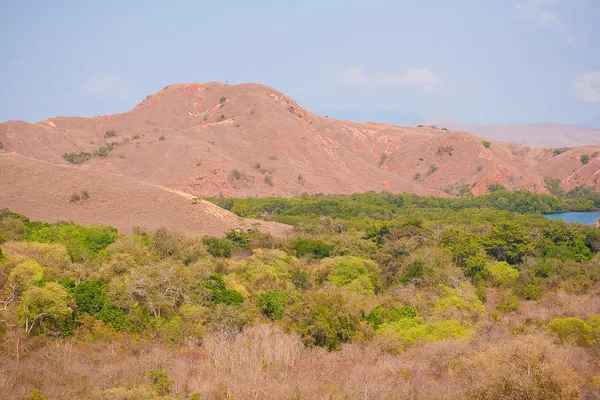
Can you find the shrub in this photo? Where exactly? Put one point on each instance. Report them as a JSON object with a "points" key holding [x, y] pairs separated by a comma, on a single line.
{"points": [[37, 395], [503, 274], [485, 144], [222, 99], [220, 294], [218, 247], [572, 329], [353, 273], [221, 117], [269, 180], [325, 318], [496, 187], [417, 177], [508, 303], [110, 133], [81, 196], [382, 158], [412, 271], [235, 174], [449, 149], [274, 303], [136, 137], [412, 330], [162, 138], [584, 159], [104, 150], [432, 169], [558, 152], [312, 248], [161, 383], [1, 146], [75, 158]]}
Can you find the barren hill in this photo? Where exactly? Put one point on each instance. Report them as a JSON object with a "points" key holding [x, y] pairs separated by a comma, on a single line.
{"points": [[250, 140], [43, 191]]}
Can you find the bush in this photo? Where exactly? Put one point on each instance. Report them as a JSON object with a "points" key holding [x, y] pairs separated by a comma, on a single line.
{"points": [[269, 180], [584, 159], [503, 274], [432, 169], [110, 133], [222, 99], [572, 329], [162, 138], [161, 383], [508, 303], [485, 144], [496, 187], [353, 273], [412, 330], [220, 294], [1, 146], [218, 247], [274, 303], [325, 318], [382, 158], [75, 158], [312, 248]]}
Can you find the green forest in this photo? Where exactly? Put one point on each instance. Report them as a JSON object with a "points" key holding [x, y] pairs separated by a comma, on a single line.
{"points": [[374, 295]]}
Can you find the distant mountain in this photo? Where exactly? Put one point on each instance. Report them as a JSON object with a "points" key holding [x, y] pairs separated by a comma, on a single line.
{"points": [[383, 117], [544, 134], [146, 166], [593, 123]]}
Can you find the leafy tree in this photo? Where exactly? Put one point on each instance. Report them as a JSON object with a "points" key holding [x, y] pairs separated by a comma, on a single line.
{"points": [[503, 274], [312, 248], [572, 329], [461, 244], [161, 383], [325, 317], [274, 303], [353, 273], [218, 247], [46, 307], [507, 242]]}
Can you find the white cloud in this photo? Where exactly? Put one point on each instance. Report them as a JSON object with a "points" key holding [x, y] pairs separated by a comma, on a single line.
{"points": [[99, 84], [588, 87], [539, 11], [420, 77]]}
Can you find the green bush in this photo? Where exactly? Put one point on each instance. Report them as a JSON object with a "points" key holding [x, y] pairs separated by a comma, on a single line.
{"points": [[162, 138], [274, 303], [218, 247], [220, 294], [503, 274], [313, 248], [485, 144], [572, 329], [222, 99], [355, 274], [412, 330], [508, 303], [584, 159], [110, 133], [75, 158], [325, 318], [161, 383]]}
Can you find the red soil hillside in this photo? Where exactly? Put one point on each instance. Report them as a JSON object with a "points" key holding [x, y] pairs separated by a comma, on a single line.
{"points": [[250, 140], [42, 191]]}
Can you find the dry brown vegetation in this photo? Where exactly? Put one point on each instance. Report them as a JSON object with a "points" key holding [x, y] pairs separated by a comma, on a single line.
{"points": [[264, 362]]}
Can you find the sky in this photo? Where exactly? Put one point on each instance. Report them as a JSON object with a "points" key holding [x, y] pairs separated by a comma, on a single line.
{"points": [[470, 61]]}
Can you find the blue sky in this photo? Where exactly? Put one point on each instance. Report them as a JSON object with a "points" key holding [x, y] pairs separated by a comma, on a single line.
{"points": [[472, 61]]}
